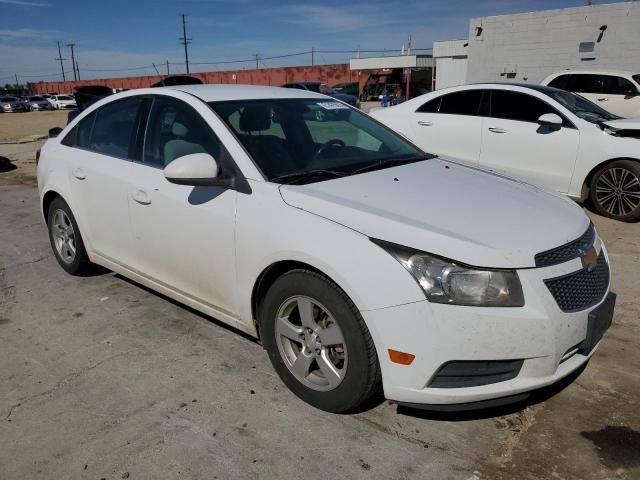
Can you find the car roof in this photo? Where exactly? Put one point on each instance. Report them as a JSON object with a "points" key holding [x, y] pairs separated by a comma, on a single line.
{"points": [[226, 92], [594, 72]]}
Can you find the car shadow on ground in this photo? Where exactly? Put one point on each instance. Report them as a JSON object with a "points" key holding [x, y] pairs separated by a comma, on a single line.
{"points": [[6, 165], [536, 397]]}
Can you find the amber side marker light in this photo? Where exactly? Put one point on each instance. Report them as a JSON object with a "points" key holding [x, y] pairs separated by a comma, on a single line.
{"points": [[401, 358]]}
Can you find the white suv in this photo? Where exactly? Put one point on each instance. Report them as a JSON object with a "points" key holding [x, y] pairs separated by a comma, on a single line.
{"points": [[616, 92]]}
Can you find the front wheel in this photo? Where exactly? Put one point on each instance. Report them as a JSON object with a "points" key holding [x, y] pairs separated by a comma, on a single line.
{"points": [[615, 190], [318, 343]]}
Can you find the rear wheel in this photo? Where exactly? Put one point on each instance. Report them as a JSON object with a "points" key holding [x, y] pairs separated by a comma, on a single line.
{"points": [[318, 343], [66, 240], [615, 190]]}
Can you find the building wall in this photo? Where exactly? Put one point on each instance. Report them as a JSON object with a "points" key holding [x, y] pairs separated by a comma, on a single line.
{"points": [[534, 45], [331, 74], [451, 58]]}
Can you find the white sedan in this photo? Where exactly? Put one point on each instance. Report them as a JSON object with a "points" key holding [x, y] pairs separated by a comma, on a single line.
{"points": [[549, 137], [60, 102], [359, 261]]}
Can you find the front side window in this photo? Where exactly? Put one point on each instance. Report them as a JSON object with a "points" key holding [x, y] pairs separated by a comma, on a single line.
{"points": [[613, 85], [297, 136], [518, 106], [561, 82], [114, 129], [466, 102], [586, 83], [174, 130], [432, 106]]}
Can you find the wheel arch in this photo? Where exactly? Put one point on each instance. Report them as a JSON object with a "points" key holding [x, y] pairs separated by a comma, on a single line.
{"points": [[586, 184], [47, 199], [268, 276]]}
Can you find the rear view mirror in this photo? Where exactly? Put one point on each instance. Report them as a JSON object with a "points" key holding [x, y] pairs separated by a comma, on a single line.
{"points": [[551, 120], [196, 169], [54, 132]]}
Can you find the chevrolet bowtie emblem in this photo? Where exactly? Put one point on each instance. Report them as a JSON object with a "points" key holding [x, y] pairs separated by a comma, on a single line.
{"points": [[589, 259]]}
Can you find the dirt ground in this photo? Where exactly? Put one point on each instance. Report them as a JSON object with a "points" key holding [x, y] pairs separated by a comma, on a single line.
{"points": [[101, 378]]}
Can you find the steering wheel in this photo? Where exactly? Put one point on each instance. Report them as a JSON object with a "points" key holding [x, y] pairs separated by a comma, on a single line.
{"points": [[333, 141]]}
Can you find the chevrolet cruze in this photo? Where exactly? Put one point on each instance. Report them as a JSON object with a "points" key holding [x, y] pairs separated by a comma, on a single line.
{"points": [[362, 263]]}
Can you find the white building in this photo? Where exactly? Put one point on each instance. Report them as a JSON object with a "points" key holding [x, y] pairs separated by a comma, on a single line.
{"points": [[529, 46]]}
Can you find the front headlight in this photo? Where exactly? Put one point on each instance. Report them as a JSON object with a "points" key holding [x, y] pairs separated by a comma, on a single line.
{"points": [[446, 281]]}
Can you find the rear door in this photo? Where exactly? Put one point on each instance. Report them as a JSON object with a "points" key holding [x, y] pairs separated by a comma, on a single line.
{"points": [[513, 142], [99, 171], [450, 125]]}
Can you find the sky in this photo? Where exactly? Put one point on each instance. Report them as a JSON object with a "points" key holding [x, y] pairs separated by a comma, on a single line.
{"points": [[123, 38]]}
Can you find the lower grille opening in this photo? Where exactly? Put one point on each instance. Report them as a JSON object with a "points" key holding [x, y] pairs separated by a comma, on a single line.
{"points": [[570, 353], [474, 373]]}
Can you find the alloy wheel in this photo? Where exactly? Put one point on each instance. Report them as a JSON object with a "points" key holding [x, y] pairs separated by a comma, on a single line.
{"points": [[64, 237], [311, 343], [618, 191]]}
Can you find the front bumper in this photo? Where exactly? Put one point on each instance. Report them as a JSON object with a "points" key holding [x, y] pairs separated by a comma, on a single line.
{"points": [[545, 338]]}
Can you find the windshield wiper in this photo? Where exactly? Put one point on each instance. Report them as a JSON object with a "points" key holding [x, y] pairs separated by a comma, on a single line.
{"points": [[389, 162], [292, 177]]}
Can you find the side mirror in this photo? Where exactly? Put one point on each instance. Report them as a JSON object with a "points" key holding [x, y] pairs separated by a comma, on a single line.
{"points": [[551, 120], [54, 132], [196, 169]]}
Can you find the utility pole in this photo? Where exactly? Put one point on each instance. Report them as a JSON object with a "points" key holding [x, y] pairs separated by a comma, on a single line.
{"points": [[64, 79], [312, 54], [154, 67], [168, 71], [185, 41], [257, 55], [17, 84], [78, 69], [73, 60]]}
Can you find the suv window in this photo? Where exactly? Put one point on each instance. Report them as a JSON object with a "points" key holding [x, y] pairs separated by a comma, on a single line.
{"points": [[80, 135], [518, 106], [174, 130], [614, 85], [466, 102], [114, 127]]}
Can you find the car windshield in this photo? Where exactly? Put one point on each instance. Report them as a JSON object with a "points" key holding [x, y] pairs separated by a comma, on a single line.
{"points": [[580, 106], [297, 137], [64, 97], [8, 99], [35, 99]]}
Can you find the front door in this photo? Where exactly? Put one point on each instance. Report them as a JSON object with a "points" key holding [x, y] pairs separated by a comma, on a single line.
{"points": [[184, 235], [514, 143]]}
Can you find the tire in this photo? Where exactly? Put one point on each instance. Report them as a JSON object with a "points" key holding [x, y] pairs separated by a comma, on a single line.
{"points": [[62, 225], [355, 376], [615, 190]]}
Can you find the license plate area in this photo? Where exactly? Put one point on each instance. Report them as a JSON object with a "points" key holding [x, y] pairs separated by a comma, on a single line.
{"points": [[600, 319]]}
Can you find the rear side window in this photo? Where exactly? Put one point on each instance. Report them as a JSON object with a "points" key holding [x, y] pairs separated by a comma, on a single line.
{"points": [[518, 106], [80, 135], [114, 128], [457, 103], [586, 83]]}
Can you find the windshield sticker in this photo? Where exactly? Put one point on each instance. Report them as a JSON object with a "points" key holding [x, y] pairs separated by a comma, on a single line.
{"points": [[333, 106]]}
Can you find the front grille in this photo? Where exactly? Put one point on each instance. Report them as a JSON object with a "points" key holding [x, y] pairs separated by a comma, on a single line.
{"points": [[568, 251], [473, 373], [582, 289]]}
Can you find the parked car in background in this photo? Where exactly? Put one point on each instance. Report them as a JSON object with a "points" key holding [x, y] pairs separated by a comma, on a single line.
{"points": [[323, 88], [349, 88], [616, 92], [543, 135], [11, 104], [63, 101], [36, 102], [348, 251]]}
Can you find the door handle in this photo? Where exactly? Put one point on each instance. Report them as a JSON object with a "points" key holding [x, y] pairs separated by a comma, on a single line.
{"points": [[425, 124], [141, 197], [497, 130], [79, 174], [603, 99]]}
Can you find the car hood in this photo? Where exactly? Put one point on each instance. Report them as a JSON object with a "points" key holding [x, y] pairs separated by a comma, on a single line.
{"points": [[448, 209], [624, 124]]}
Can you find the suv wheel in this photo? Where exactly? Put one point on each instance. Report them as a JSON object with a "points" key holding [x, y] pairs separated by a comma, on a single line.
{"points": [[318, 343]]}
